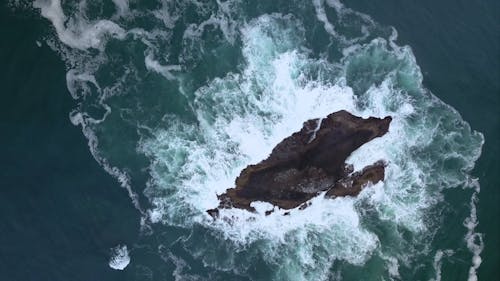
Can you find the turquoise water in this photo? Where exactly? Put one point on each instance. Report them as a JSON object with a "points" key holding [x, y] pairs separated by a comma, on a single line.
{"points": [[175, 98]]}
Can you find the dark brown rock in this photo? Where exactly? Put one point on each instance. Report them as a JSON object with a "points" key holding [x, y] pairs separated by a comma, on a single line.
{"points": [[353, 184], [309, 162]]}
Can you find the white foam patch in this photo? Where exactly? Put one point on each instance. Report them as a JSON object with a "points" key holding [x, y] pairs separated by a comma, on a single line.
{"points": [[393, 267], [77, 83], [166, 14], [78, 118], [321, 15], [217, 20], [261, 207], [165, 70], [341, 12], [121, 6], [473, 239], [438, 260], [119, 257], [76, 32], [343, 230]]}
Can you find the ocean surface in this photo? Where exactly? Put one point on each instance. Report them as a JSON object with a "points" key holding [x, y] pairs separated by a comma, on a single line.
{"points": [[122, 120]]}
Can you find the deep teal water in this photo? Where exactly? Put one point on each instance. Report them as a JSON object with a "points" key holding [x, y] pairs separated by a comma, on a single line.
{"points": [[62, 213]]}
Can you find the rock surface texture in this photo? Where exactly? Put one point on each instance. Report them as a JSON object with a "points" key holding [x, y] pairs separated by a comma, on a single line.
{"points": [[309, 162]]}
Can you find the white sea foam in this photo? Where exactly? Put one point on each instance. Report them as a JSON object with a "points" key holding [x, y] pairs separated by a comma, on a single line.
{"points": [[393, 268], [438, 259], [225, 25], [77, 83], [121, 6], [473, 239], [119, 257], [168, 13], [81, 119], [76, 32], [165, 70], [341, 13], [320, 13]]}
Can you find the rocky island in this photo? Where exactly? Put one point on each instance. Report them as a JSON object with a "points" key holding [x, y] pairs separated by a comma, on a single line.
{"points": [[309, 162]]}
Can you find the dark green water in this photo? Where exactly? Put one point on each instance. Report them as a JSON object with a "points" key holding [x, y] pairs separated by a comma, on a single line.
{"points": [[63, 213]]}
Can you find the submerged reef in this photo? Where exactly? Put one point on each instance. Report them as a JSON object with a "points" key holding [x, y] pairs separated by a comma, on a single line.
{"points": [[309, 162]]}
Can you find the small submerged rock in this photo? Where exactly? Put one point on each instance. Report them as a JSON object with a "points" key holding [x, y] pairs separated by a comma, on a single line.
{"points": [[309, 162]]}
